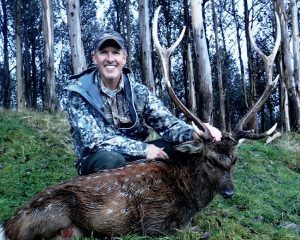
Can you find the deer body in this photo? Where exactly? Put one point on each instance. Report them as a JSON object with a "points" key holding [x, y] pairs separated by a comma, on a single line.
{"points": [[147, 197]]}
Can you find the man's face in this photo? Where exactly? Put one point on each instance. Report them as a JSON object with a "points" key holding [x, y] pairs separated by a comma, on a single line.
{"points": [[110, 61]]}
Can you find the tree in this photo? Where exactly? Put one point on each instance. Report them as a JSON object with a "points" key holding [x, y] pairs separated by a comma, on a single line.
{"points": [[296, 53], [6, 77], [73, 16], [288, 68], [219, 69], [145, 43], [238, 35], [20, 80], [49, 55], [190, 95], [203, 83], [253, 122], [128, 35]]}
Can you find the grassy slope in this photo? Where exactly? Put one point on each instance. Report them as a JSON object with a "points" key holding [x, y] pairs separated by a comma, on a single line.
{"points": [[36, 151]]}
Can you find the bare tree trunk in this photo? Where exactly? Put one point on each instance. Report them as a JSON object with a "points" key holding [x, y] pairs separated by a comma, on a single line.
{"points": [[203, 85], [49, 55], [238, 35], [128, 26], [34, 76], [219, 69], [288, 67], [191, 81], [20, 80], [296, 47], [6, 77], [190, 95], [285, 119], [145, 43], [229, 122], [78, 56], [253, 122], [26, 71], [296, 53]]}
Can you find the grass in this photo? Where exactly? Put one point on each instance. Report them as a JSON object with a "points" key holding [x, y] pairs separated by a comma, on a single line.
{"points": [[267, 200], [36, 151]]}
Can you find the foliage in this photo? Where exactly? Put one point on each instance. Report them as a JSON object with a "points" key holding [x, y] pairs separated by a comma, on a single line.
{"points": [[36, 151]]}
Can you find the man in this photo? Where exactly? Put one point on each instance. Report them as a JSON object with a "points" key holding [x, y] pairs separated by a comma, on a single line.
{"points": [[110, 114]]}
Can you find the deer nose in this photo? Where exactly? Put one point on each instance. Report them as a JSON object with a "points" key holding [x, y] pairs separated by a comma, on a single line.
{"points": [[227, 194]]}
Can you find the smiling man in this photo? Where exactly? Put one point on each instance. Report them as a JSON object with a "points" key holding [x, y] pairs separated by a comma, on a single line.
{"points": [[111, 115]]}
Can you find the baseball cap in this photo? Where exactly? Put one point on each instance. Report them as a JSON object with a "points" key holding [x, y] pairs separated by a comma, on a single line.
{"points": [[106, 35]]}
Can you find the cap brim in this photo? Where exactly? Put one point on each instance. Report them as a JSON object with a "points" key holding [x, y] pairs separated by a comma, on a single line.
{"points": [[107, 40]]}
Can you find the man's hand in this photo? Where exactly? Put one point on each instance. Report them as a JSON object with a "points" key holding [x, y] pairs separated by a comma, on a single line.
{"points": [[216, 133], [154, 152]]}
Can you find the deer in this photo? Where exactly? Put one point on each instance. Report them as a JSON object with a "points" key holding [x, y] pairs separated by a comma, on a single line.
{"points": [[148, 197]]}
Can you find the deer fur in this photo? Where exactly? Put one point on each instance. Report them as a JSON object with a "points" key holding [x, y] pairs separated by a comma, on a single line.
{"points": [[146, 197]]}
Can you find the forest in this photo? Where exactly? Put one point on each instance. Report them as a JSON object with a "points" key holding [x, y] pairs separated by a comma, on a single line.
{"points": [[216, 71]]}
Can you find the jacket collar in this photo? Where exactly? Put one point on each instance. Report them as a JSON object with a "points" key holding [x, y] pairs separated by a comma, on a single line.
{"points": [[84, 84]]}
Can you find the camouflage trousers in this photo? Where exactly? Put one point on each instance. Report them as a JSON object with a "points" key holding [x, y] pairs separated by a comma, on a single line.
{"points": [[101, 160]]}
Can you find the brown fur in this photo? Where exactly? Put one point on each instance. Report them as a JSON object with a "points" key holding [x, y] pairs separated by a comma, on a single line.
{"points": [[145, 197]]}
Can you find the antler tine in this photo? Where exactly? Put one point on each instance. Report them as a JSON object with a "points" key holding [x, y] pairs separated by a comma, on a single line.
{"points": [[164, 54], [160, 49], [268, 64], [271, 57]]}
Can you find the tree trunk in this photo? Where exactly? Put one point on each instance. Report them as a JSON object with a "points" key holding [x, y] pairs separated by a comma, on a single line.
{"points": [[296, 47], [296, 53], [238, 35], [20, 80], [284, 102], [294, 97], [6, 77], [49, 56], [253, 122], [189, 81], [145, 43], [203, 83], [73, 16], [128, 25], [34, 76], [26, 71], [219, 69]]}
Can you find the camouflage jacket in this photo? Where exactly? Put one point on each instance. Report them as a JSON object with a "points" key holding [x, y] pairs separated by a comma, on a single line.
{"points": [[91, 131]]}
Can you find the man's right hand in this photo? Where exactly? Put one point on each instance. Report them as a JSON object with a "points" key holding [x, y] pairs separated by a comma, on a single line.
{"points": [[154, 152]]}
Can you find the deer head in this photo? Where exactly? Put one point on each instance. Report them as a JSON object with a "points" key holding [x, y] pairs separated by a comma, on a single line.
{"points": [[217, 158]]}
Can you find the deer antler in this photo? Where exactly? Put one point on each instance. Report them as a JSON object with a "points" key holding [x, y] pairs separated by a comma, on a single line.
{"points": [[164, 54], [268, 64]]}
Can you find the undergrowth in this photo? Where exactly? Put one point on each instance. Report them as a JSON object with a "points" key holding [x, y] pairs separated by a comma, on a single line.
{"points": [[36, 151]]}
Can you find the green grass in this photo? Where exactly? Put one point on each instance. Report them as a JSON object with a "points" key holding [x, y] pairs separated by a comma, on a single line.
{"points": [[36, 151]]}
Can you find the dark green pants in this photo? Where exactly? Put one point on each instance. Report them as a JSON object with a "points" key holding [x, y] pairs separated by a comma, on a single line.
{"points": [[101, 160]]}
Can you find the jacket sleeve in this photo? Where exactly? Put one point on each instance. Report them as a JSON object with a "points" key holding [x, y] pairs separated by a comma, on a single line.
{"points": [[90, 132], [169, 127]]}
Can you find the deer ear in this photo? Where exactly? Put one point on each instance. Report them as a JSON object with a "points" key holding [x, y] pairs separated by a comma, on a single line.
{"points": [[191, 147]]}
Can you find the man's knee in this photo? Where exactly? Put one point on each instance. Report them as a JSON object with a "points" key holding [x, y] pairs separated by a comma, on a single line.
{"points": [[101, 160]]}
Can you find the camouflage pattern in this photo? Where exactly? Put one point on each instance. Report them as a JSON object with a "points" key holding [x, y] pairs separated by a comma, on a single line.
{"points": [[91, 131]]}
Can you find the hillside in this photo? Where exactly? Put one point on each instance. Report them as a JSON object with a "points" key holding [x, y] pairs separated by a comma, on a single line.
{"points": [[36, 151]]}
